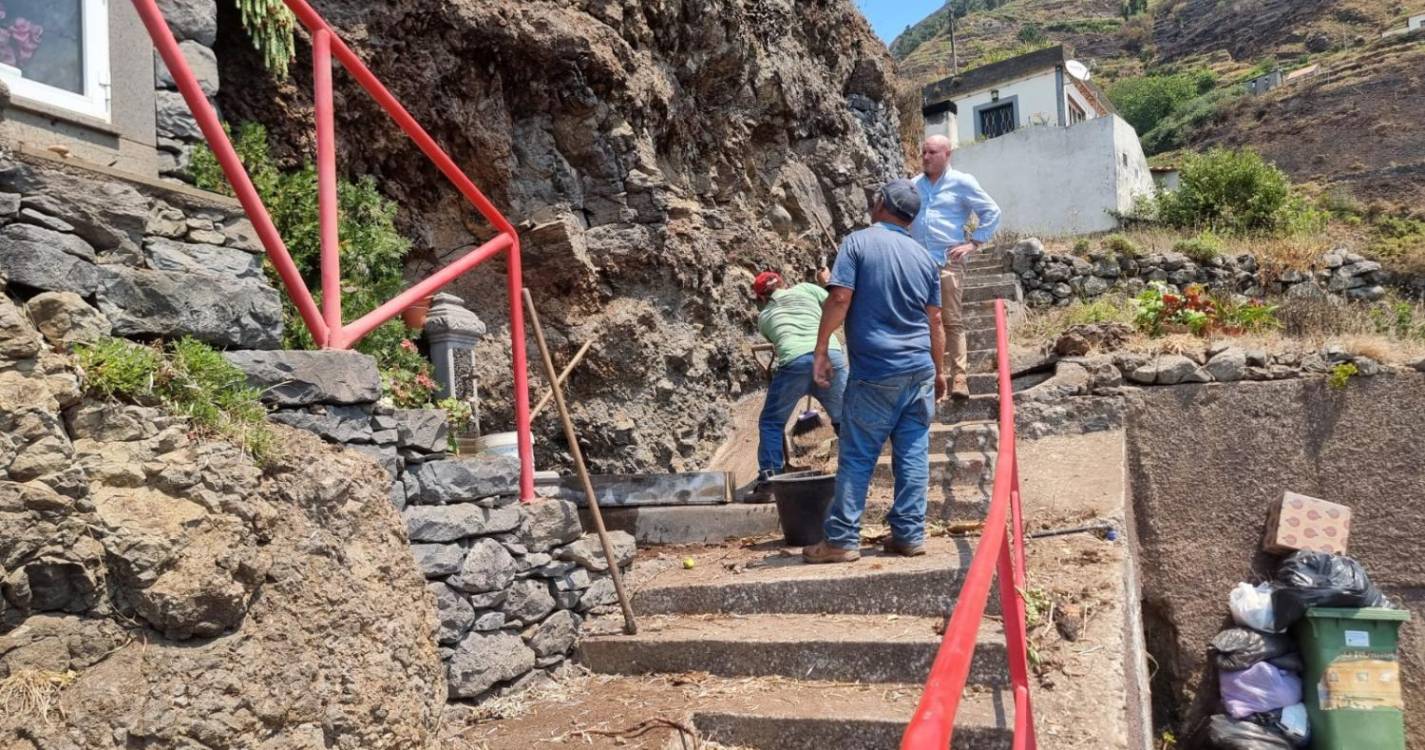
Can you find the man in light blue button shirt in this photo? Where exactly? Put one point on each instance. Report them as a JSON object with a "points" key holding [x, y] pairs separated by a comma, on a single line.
{"points": [[947, 200]]}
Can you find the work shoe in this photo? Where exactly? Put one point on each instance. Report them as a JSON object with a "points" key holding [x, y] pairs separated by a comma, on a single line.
{"points": [[960, 387], [761, 492], [904, 549], [821, 552]]}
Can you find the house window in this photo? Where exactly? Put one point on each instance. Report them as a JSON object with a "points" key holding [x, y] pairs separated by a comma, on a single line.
{"points": [[1076, 113], [994, 121], [56, 52]]}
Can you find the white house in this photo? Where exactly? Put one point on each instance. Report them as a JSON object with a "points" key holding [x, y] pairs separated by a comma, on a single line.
{"points": [[1416, 22], [1043, 141], [1042, 88]]}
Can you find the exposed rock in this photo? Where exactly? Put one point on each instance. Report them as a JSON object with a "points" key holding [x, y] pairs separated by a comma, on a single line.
{"points": [[217, 310], [447, 523], [453, 613], [466, 478], [600, 596], [1169, 369], [487, 567], [1025, 254], [340, 424], [31, 216], [489, 621], [9, 204], [201, 61], [529, 601], [1228, 365], [422, 429], [1080, 340], [47, 260], [18, 338], [189, 257], [483, 660], [192, 19], [112, 422], [588, 553], [550, 522], [555, 636], [66, 319], [298, 378], [438, 560], [109, 216]]}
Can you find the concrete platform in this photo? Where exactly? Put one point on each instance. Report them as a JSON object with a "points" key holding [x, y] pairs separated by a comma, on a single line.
{"points": [[839, 648], [694, 524]]}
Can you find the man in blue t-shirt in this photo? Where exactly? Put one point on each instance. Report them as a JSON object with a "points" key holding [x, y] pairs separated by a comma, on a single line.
{"points": [[886, 288]]}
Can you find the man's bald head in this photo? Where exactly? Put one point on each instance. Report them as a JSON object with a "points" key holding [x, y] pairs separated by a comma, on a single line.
{"points": [[935, 156]]}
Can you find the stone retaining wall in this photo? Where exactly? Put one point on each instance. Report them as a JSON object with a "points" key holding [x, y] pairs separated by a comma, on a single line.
{"points": [[194, 24], [142, 263], [512, 583], [1054, 279]]}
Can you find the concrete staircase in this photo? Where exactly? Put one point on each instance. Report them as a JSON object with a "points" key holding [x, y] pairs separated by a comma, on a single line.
{"points": [[823, 633]]}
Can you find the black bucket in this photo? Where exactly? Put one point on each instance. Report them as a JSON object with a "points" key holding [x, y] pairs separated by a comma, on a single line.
{"points": [[802, 500]]}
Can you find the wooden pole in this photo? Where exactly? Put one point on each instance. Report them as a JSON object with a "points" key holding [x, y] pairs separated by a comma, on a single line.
{"points": [[629, 626], [563, 376], [954, 53]]}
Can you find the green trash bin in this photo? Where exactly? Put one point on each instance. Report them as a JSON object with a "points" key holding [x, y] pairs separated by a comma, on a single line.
{"points": [[1352, 681]]}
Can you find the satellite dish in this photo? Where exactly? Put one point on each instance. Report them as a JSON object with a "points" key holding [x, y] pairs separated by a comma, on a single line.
{"points": [[1078, 70]]}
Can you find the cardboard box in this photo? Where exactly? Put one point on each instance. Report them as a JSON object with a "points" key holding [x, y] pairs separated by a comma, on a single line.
{"points": [[1299, 522]]}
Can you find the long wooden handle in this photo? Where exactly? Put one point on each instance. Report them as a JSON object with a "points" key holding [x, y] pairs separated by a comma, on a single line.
{"points": [[563, 376], [629, 626]]}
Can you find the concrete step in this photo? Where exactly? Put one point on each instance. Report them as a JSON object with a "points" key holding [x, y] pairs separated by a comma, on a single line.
{"points": [[818, 716], [955, 469], [781, 583], [991, 291], [835, 648], [981, 360], [689, 524], [985, 279], [973, 409], [974, 437], [980, 337]]}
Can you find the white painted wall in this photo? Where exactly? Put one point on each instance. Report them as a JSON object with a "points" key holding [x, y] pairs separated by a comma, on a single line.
{"points": [[1416, 22], [1061, 181], [1038, 103], [943, 124], [1076, 96]]}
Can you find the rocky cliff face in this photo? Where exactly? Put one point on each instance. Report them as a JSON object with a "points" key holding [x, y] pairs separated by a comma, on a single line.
{"points": [[161, 591], [656, 155]]}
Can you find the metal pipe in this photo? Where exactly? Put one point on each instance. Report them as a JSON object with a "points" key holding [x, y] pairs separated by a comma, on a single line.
{"points": [[326, 178], [629, 626], [525, 442], [233, 169]]}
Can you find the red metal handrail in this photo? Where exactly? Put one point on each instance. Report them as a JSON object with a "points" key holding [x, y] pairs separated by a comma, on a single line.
{"points": [[1000, 550], [326, 324]]}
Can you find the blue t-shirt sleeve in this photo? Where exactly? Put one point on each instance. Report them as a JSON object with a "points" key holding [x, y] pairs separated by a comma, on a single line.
{"points": [[934, 287], [844, 272]]}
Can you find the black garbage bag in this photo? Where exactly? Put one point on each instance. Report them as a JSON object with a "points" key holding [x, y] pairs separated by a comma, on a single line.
{"points": [[1318, 579], [1239, 648], [1226, 733], [1290, 662]]}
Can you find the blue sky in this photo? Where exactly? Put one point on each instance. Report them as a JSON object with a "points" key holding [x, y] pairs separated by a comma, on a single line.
{"points": [[890, 17]]}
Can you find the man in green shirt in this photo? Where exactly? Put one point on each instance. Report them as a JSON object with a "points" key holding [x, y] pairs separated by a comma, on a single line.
{"points": [[790, 319]]}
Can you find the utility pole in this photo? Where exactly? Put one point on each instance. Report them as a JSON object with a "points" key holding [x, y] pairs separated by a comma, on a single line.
{"points": [[954, 54]]}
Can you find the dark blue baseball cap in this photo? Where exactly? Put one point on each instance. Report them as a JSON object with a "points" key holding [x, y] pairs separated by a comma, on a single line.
{"points": [[901, 198]]}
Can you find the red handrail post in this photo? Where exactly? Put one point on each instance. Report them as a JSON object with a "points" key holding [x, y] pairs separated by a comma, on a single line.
{"points": [[521, 379], [326, 177]]}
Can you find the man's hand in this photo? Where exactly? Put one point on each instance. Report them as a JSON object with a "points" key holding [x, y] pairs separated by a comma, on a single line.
{"points": [[958, 252], [942, 386], [821, 368], [823, 276]]}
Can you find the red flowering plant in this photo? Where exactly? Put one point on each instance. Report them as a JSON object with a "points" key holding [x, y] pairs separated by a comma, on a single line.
{"points": [[1159, 310], [405, 377], [19, 39]]}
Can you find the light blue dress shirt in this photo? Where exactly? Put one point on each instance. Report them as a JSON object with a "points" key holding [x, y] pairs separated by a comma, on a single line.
{"points": [[945, 207]]}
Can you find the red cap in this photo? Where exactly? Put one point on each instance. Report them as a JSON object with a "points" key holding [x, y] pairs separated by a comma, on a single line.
{"points": [[765, 282]]}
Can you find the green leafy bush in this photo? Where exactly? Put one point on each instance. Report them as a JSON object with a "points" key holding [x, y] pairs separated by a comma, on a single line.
{"points": [[1031, 33], [189, 378], [1148, 100], [1202, 248], [1234, 191], [1081, 246], [372, 252], [1177, 129], [1120, 245], [1341, 374], [1249, 316]]}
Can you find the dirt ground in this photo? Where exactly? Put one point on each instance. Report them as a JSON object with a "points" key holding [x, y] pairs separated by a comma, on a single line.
{"points": [[1076, 595]]}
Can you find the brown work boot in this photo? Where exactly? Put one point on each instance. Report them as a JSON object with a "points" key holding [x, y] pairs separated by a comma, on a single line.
{"points": [[821, 552], [960, 387], [904, 549]]}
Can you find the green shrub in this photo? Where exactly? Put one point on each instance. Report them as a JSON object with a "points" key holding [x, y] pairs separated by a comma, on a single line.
{"points": [[1253, 315], [1031, 33], [1400, 242], [372, 252], [1148, 100], [1341, 375], [1178, 128], [1202, 248], [1107, 309], [1234, 191], [1120, 245], [1081, 246], [189, 378]]}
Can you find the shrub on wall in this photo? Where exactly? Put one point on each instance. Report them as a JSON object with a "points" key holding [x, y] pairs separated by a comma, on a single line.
{"points": [[1235, 191]]}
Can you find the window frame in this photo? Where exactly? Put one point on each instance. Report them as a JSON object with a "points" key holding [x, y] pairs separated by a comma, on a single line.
{"points": [[1077, 114], [1009, 102], [96, 101]]}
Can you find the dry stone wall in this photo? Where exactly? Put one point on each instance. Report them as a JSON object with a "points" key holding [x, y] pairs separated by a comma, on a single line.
{"points": [[512, 583], [194, 24]]}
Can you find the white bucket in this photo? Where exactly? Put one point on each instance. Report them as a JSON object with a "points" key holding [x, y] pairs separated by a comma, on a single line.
{"points": [[501, 444]]}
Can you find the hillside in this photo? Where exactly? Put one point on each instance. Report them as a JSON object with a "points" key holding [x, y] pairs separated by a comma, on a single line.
{"points": [[1345, 124]]}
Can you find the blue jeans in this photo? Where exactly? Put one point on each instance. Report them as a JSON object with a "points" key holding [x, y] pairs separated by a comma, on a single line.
{"points": [[789, 384], [898, 408]]}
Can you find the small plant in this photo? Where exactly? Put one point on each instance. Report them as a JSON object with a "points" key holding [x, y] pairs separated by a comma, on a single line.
{"points": [[190, 379], [1202, 248], [270, 25], [1120, 245], [1341, 374], [405, 377], [1158, 310], [1253, 315], [1081, 246], [458, 416]]}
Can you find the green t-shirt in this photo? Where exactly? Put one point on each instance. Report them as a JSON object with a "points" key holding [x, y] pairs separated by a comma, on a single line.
{"points": [[791, 321]]}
